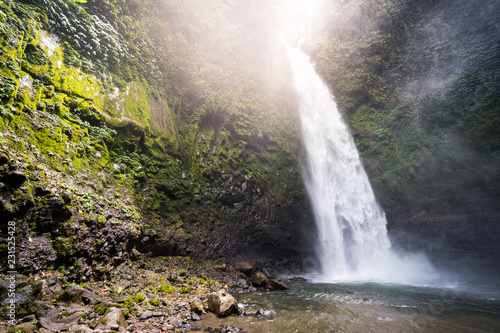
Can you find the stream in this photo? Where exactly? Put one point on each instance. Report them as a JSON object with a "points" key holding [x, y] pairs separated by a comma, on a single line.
{"points": [[365, 307]]}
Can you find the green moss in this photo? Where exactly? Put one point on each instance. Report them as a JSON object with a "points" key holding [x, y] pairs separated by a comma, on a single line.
{"points": [[101, 308], [138, 298], [126, 313], [154, 302], [8, 87], [129, 302], [166, 288], [185, 290], [63, 246]]}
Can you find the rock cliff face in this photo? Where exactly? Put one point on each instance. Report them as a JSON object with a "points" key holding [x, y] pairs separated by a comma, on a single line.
{"points": [[104, 153]]}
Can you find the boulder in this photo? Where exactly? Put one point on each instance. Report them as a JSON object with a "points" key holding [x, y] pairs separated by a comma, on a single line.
{"points": [[25, 328], [89, 297], [74, 318], [50, 323], [222, 304], [197, 307], [80, 329], [259, 279], [273, 284], [113, 320], [244, 267], [231, 329], [72, 294], [146, 315]]}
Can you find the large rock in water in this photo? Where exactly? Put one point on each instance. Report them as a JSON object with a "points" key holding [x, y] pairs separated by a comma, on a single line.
{"points": [[274, 284], [222, 304], [259, 279]]}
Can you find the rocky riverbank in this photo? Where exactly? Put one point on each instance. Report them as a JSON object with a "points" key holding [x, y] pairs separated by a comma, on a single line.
{"points": [[150, 294]]}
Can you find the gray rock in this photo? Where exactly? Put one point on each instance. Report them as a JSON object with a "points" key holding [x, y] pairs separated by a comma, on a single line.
{"points": [[73, 319], [113, 320], [80, 329], [179, 323], [195, 317], [50, 322], [28, 327], [52, 280], [244, 267], [55, 289], [197, 306], [263, 314], [222, 303], [259, 279], [42, 308], [72, 294], [146, 315], [242, 283], [231, 329], [28, 319], [274, 284], [89, 297]]}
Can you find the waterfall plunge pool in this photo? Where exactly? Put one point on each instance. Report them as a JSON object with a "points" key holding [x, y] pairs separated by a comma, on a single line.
{"points": [[365, 307]]}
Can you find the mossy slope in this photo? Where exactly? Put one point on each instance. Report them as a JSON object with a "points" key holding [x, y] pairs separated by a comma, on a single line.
{"points": [[115, 156]]}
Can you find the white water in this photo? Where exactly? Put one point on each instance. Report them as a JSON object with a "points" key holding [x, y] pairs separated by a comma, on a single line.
{"points": [[353, 240]]}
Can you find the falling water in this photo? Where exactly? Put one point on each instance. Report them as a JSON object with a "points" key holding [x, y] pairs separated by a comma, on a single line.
{"points": [[353, 239]]}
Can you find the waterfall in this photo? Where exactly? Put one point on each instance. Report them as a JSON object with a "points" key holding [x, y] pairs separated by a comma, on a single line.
{"points": [[352, 232]]}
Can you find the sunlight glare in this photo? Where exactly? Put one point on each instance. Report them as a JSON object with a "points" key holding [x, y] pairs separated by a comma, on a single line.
{"points": [[296, 19]]}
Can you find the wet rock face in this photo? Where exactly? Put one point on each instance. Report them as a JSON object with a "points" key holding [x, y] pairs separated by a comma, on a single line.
{"points": [[14, 179], [37, 252], [52, 214]]}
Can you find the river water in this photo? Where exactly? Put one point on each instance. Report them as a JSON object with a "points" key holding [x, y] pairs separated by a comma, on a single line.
{"points": [[309, 307]]}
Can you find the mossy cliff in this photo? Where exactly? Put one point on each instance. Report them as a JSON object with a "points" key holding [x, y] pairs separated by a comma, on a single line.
{"points": [[115, 137], [418, 83]]}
